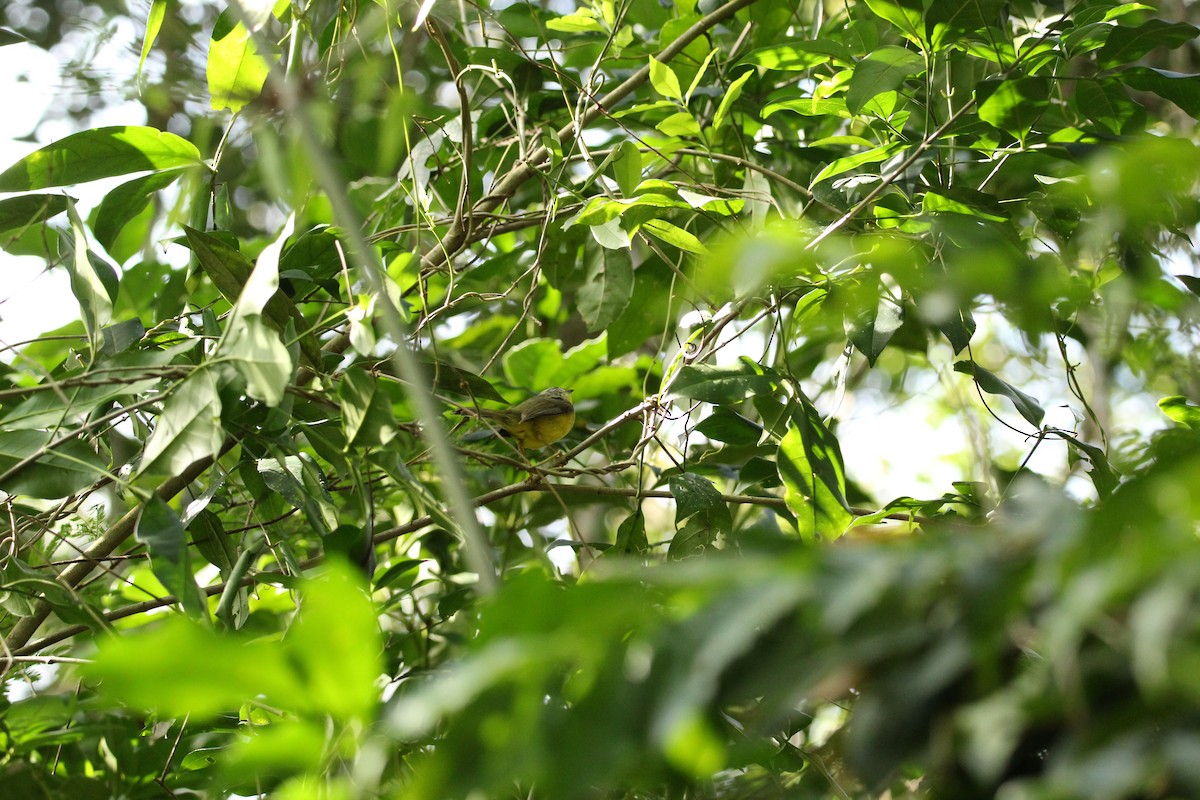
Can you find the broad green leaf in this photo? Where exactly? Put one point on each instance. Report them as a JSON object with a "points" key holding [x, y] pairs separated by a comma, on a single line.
{"points": [[662, 77], [260, 357], [674, 235], [680, 124], [948, 21], [810, 466], [718, 205], [264, 279], [335, 643], [695, 495], [1181, 89], [884, 70], [1014, 105], [182, 669], [958, 330], [731, 96], [299, 481], [722, 385], [99, 153], [607, 288], [213, 543], [154, 21], [726, 425], [872, 335], [582, 20], [1027, 406], [610, 235], [189, 427], [230, 272], [10, 37], [366, 413], [93, 282], [1180, 410], [847, 163], [627, 167], [61, 471], [1103, 476], [125, 202], [236, 72], [29, 210], [810, 107], [1126, 45], [160, 529], [699, 75], [800, 55], [1107, 103], [906, 15], [631, 536], [937, 203]]}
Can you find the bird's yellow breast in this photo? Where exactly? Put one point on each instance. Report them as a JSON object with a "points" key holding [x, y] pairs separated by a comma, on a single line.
{"points": [[541, 431]]}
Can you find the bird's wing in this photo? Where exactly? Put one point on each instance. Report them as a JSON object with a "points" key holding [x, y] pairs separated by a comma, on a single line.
{"points": [[552, 407]]}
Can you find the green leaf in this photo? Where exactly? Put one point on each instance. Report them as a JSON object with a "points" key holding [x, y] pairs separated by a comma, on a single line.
{"points": [[958, 329], [335, 643], [1014, 106], [1027, 406], [92, 281], [29, 210], [662, 77], [847, 163], [699, 75], [800, 55], [731, 96], [182, 669], [680, 124], [938, 203], [189, 427], [610, 235], [263, 282], [1126, 45], [582, 20], [1107, 103], [872, 335], [810, 466], [128, 200], [949, 21], [69, 467], [160, 529], [236, 72], [631, 536], [299, 481], [722, 385], [627, 167], [154, 21], [366, 413], [1181, 89], [810, 107], [700, 505], [906, 15], [607, 288], [1180, 410], [259, 356], [884, 70], [1104, 478], [726, 425], [99, 153], [675, 236]]}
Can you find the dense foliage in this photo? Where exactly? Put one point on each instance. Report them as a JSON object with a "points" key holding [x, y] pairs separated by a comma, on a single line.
{"points": [[251, 548]]}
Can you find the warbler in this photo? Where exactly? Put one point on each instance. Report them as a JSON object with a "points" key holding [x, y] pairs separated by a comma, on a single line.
{"points": [[541, 420]]}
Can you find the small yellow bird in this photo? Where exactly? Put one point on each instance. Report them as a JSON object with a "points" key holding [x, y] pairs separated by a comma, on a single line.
{"points": [[541, 420]]}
